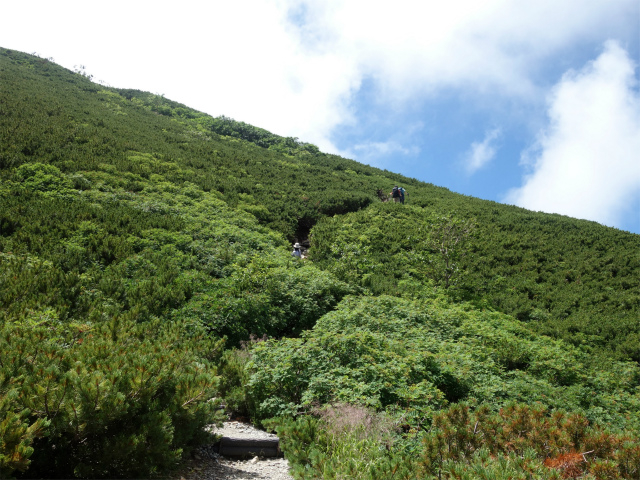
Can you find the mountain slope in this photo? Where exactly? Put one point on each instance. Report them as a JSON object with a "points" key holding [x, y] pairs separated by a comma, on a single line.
{"points": [[564, 274], [142, 241]]}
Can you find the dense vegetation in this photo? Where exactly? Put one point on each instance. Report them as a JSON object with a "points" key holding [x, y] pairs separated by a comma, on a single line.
{"points": [[566, 278], [145, 270]]}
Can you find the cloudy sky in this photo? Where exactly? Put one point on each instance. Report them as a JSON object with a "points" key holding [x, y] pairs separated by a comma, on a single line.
{"points": [[528, 102]]}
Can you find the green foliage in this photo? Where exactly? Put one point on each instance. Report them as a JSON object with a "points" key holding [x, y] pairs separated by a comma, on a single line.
{"points": [[234, 378], [524, 437], [568, 279], [16, 435], [38, 177], [393, 249], [447, 236], [342, 442], [518, 442], [120, 399], [412, 358], [268, 296], [136, 232]]}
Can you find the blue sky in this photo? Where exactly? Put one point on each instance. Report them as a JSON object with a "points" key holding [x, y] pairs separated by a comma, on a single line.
{"points": [[533, 103]]}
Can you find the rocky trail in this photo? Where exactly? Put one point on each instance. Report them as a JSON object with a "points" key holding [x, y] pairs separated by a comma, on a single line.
{"points": [[208, 464]]}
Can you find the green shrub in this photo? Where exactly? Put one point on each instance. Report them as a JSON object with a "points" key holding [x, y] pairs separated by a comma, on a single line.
{"points": [[518, 442], [267, 296], [234, 378], [121, 399], [16, 435], [342, 441], [412, 358], [43, 178]]}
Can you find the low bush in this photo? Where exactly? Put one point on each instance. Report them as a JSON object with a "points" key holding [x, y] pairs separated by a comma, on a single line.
{"points": [[518, 442], [267, 296], [119, 399], [16, 435], [413, 358]]}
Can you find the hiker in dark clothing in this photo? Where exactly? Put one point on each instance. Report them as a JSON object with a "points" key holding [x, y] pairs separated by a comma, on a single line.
{"points": [[395, 194]]}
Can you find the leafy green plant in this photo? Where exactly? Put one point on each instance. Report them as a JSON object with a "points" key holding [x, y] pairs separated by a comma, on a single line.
{"points": [[120, 399], [16, 435], [518, 442], [342, 441], [267, 296], [234, 378], [412, 358], [43, 178], [555, 274]]}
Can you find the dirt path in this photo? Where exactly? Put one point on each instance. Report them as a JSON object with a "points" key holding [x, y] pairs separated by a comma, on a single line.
{"points": [[208, 465]]}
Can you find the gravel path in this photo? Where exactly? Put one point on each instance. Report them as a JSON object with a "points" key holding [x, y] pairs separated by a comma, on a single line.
{"points": [[208, 465]]}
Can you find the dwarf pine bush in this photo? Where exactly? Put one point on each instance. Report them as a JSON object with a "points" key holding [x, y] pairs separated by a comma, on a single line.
{"points": [[519, 442], [118, 400], [16, 435]]}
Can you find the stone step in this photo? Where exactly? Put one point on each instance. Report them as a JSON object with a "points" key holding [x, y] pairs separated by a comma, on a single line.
{"points": [[249, 447]]}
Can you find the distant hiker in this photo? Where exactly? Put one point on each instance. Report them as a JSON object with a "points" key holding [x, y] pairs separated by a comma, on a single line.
{"points": [[395, 194], [402, 192], [297, 250]]}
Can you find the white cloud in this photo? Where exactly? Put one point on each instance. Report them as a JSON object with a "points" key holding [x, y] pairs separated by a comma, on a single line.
{"points": [[419, 47], [481, 153], [586, 163], [372, 152]]}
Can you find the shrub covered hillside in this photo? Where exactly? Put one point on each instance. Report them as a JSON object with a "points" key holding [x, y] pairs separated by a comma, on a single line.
{"points": [[566, 278], [146, 285]]}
